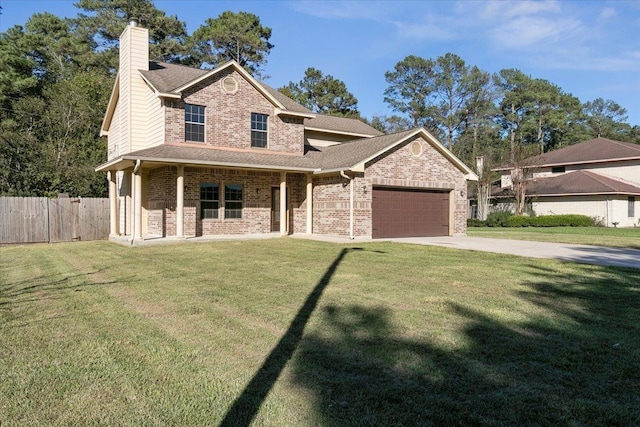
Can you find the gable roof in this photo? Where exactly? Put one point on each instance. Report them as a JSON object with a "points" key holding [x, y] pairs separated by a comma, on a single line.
{"points": [[170, 79], [347, 156], [597, 150], [580, 182]]}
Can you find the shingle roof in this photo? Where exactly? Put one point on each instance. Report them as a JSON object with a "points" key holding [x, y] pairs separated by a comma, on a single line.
{"points": [[318, 160], [166, 78], [592, 151], [341, 124], [351, 153], [580, 182]]}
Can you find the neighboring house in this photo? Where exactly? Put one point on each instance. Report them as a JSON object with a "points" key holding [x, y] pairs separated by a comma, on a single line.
{"points": [[196, 152], [599, 178]]}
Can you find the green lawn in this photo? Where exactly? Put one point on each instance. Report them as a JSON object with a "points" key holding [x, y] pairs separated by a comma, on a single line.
{"points": [[598, 236], [288, 332]]}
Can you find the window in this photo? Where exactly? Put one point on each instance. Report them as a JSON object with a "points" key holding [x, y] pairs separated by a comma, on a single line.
{"points": [[233, 201], [632, 207], [209, 200], [259, 130], [558, 169], [194, 123]]}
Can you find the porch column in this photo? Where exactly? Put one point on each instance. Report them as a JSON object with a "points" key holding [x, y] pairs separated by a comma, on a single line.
{"points": [[128, 204], [283, 203], [113, 204], [137, 201], [180, 202], [309, 203]]}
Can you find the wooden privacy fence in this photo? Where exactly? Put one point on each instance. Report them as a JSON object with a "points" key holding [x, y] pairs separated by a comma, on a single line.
{"points": [[65, 219]]}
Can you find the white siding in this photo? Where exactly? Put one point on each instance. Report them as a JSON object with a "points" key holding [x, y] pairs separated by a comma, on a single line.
{"points": [[608, 209], [155, 120], [134, 56], [114, 137]]}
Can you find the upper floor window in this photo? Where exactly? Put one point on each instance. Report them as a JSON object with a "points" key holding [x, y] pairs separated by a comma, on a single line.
{"points": [[259, 130], [194, 123]]}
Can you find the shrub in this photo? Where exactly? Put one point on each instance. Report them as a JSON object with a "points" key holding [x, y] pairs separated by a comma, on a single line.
{"points": [[498, 219], [474, 222], [520, 221], [551, 221]]}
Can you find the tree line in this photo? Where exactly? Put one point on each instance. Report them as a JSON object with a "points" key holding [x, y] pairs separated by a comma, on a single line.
{"points": [[56, 75]]}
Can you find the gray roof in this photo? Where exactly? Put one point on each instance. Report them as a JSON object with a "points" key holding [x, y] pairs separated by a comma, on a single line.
{"points": [[166, 78], [592, 151], [580, 182], [317, 160]]}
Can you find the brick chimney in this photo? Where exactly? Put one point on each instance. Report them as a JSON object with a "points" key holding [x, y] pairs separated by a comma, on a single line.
{"points": [[134, 56]]}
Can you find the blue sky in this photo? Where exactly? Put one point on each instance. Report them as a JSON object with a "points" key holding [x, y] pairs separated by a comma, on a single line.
{"points": [[590, 49]]}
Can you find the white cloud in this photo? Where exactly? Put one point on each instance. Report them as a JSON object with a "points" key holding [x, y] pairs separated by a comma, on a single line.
{"points": [[341, 9], [529, 32], [511, 9], [607, 13], [424, 31]]}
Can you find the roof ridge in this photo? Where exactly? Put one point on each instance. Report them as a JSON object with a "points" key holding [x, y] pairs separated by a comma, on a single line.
{"points": [[597, 177], [629, 145]]}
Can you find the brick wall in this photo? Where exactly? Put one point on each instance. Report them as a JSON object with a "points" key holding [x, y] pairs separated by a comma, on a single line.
{"points": [[228, 117], [256, 195], [429, 170], [398, 167]]}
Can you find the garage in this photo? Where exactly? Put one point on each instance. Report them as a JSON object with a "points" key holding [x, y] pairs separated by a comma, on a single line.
{"points": [[402, 212]]}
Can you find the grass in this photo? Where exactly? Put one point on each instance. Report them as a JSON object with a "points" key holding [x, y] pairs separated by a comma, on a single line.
{"points": [[289, 332], [598, 236]]}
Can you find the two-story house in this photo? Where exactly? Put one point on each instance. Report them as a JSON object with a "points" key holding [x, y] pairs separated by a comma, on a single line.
{"points": [[195, 152], [599, 178]]}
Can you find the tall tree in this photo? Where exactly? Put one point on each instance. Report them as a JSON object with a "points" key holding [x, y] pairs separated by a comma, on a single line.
{"points": [[238, 36], [107, 19], [410, 85], [390, 124], [604, 118], [323, 94], [515, 103]]}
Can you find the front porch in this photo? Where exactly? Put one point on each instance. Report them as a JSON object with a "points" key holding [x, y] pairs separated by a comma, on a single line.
{"points": [[181, 201]]}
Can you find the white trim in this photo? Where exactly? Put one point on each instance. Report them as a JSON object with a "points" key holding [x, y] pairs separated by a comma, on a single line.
{"points": [[284, 112], [340, 132]]}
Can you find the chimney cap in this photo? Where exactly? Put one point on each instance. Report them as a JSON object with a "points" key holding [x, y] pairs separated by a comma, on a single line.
{"points": [[133, 21]]}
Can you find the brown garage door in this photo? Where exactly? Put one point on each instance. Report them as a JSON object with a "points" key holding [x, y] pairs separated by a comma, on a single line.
{"points": [[401, 212]]}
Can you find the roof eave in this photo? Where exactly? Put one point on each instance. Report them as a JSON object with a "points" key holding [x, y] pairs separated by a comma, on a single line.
{"points": [[285, 112], [125, 161], [111, 107], [340, 132]]}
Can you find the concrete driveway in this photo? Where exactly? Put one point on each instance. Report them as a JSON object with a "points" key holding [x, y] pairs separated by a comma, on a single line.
{"points": [[585, 254]]}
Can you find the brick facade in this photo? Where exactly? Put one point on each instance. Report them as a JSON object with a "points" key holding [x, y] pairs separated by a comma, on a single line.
{"points": [[228, 117], [256, 201], [398, 167]]}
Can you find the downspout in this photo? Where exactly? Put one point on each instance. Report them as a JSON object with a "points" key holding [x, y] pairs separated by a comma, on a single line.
{"points": [[351, 195], [136, 168]]}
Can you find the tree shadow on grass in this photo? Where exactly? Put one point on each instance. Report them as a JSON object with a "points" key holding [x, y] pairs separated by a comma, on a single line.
{"points": [[576, 362], [25, 293], [247, 405]]}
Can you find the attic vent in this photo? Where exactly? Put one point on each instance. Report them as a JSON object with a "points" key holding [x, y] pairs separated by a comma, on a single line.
{"points": [[416, 148], [229, 85]]}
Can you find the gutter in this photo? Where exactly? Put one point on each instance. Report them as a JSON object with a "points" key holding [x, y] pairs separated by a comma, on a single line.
{"points": [[351, 195]]}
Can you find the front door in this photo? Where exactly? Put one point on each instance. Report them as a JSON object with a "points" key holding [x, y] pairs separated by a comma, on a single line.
{"points": [[275, 209]]}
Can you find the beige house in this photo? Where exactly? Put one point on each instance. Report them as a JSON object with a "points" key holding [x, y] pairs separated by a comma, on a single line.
{"points": [[599, 178], [196, 152]]}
